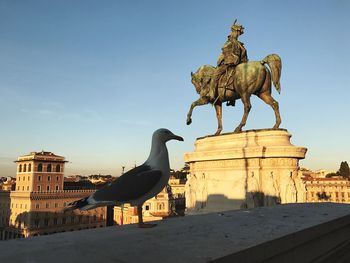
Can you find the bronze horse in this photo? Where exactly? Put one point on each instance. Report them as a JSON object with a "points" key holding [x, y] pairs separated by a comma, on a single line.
{"points": [[246, 79]]}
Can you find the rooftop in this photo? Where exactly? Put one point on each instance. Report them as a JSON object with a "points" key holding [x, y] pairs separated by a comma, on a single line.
{"points": [[43, 155]]}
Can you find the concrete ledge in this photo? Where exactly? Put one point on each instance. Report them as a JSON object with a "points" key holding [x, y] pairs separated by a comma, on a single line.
{"points": [[285, 233]]}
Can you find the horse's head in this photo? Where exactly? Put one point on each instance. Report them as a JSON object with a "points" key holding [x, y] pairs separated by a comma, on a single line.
{"points": [[196, 81], [202, 76]]}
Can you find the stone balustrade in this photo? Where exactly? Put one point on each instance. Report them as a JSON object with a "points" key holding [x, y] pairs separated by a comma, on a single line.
{"points": [[283, 233]]}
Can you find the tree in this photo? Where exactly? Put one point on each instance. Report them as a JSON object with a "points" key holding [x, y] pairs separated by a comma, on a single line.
{"points": [[180, 174], [344, 170]]}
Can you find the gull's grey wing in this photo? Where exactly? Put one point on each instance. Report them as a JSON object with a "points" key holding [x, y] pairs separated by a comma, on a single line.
{"points": [[130, 186]]}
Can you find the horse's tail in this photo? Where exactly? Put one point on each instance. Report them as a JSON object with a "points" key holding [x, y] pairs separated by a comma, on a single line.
{"points": [[275, 64]]}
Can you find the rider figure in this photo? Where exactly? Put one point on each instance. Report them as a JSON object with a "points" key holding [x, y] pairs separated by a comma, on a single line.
{"points": [[233, 53]]}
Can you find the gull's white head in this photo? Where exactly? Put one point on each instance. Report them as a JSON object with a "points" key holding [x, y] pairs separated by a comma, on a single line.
{"points": [[164, 135]]}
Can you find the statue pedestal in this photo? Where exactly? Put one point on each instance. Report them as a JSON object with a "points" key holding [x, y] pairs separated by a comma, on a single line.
{"points": [[243, 170]]}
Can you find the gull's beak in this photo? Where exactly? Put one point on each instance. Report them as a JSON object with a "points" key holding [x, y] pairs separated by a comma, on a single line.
{"points": [[179, 138]]}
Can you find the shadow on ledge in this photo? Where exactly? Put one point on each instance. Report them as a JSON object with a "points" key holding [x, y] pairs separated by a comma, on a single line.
{"points": [[219, 202]]}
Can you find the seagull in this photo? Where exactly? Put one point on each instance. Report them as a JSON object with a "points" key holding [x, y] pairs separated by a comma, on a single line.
{"points": [[137, 185]]}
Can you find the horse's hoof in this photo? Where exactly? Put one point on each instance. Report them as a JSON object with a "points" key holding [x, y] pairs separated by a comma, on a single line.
{"points": [[237, 130], [217, 133], [189, 122]]}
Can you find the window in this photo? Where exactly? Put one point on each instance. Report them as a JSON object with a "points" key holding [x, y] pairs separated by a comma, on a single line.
{"points": [[147, 207], [39, 188], [46, 222], [28, 178], [20, 168], [40, 167], [58, 168], [22, 188], [56, 205], [48, 188], [49, 167], [57, 178], [57, 187], [49, 178], [29, 167], [39, 178], [47, 205], [27, 188], [19, 178], [37, 206]]}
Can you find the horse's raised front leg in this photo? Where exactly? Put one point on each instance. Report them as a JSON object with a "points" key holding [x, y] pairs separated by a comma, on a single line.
{"points": [[218, 109], [267, 98], [199, 102], [247, 106]]}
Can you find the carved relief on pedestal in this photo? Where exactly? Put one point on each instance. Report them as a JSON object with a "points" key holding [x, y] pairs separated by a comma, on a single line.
{"points": [[271, 190], [190, 190]]}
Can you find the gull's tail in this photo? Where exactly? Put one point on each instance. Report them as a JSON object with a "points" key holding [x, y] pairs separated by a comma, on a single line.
{"points": [[87, 203], [81, 204]]}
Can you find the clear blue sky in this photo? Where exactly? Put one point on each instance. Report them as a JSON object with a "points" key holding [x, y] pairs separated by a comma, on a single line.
{"points": [[91, 80]]}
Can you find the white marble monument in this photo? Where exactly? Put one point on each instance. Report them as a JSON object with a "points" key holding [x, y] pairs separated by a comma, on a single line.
{"points": [[243, 170]]}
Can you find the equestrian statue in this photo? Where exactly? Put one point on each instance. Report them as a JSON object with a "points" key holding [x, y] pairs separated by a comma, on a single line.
{"points": [[237, 78]]}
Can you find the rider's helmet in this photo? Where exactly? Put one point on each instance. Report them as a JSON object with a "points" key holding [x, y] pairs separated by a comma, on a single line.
{"points": [[237, 27]]}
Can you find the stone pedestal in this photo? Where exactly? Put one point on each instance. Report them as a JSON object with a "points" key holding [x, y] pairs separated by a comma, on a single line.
{"points": [[244, 170]]}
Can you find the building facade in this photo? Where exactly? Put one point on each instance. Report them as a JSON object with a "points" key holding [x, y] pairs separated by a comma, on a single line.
{"points": [[37, 205], [323, 189]]}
